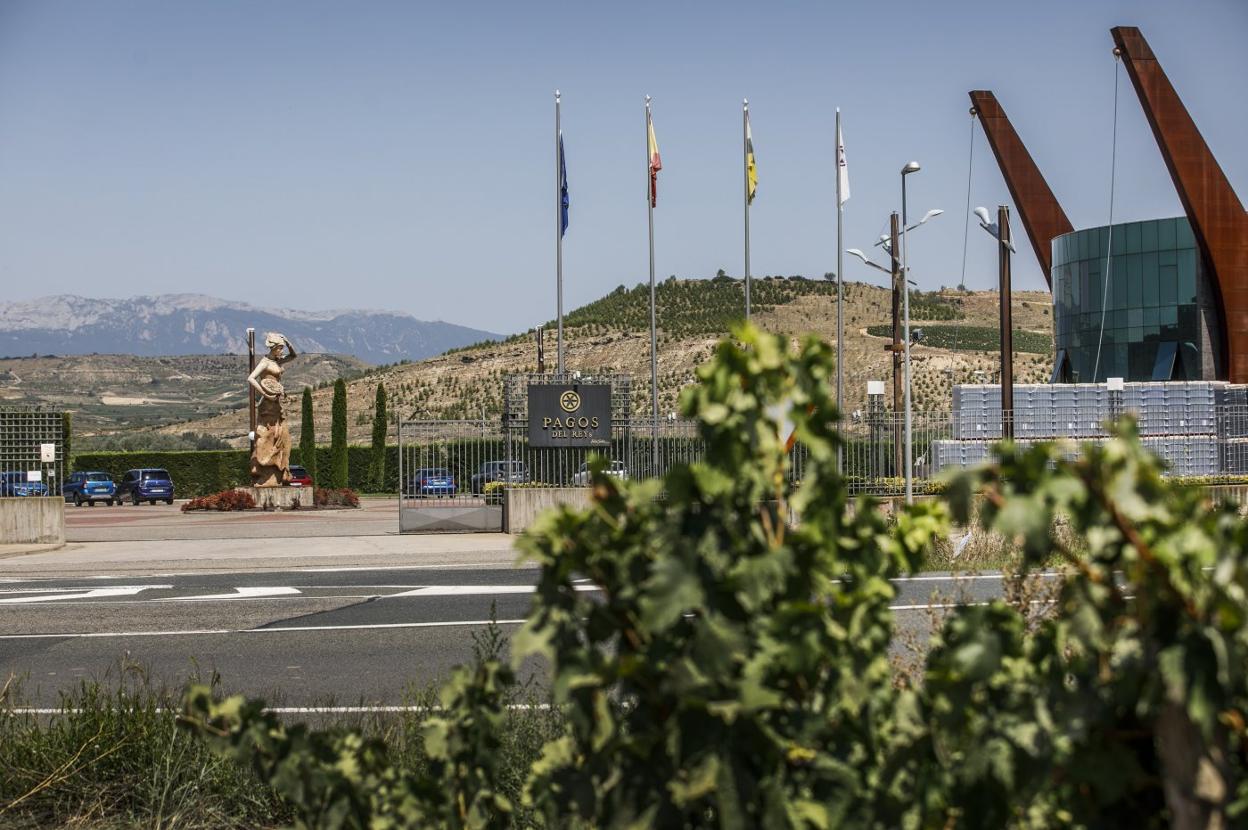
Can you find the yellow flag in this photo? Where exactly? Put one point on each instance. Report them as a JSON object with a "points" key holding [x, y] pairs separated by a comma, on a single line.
{"points": [[751, 171]]}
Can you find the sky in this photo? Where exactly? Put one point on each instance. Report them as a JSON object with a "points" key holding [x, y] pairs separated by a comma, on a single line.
{"points": [[399, 155]]}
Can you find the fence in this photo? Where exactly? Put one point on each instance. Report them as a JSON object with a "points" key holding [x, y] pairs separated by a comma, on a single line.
{"points": [[32, 451]]}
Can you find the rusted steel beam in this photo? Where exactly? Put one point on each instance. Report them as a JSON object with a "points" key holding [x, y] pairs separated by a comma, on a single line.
{"points": [[1043, 218], [1214, 211]]}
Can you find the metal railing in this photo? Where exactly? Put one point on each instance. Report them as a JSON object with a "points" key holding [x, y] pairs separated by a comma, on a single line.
{"points": [[32, 452]]}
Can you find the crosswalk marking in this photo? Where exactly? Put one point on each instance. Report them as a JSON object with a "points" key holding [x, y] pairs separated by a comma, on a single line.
{"points": [[239, 593], [94, 593]]}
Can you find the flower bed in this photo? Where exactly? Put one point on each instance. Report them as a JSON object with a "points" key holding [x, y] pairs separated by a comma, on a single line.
{"points": [[341, 497], [224, 500]]}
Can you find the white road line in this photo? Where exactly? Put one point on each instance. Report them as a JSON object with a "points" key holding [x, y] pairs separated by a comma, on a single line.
{"points": [[239, 593], [475, 590], [97, 635], [297, 710], [94, 593]]}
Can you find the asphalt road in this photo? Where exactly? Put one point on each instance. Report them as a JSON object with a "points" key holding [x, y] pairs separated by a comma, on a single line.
{"points": [[311, 636]]}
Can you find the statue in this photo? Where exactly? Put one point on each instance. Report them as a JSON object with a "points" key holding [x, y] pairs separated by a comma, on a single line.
{"points": [[270, 455]]}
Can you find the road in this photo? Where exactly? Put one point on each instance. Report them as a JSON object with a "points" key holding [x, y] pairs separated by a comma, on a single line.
{"points": [[313, 635]]}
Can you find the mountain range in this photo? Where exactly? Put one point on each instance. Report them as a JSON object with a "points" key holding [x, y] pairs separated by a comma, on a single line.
{"points": [[182, 324]]}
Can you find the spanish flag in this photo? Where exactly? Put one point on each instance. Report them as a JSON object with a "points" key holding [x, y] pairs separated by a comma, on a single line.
{"points": [[656, 164], [751, 171]]}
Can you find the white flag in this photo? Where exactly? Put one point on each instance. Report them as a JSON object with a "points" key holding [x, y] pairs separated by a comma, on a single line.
{"points": [[842, 169]]}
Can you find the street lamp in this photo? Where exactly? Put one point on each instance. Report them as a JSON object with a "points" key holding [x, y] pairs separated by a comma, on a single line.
{"points": [[885, 238], [912, 167], [1000, 230]]}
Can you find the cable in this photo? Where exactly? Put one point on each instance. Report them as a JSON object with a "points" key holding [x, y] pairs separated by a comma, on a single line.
{"points": [[1109, 242], [966, 226]]}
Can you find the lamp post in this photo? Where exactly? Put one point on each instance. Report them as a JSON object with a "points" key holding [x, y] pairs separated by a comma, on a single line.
{"points": [[1000, 230], [912, 167]]}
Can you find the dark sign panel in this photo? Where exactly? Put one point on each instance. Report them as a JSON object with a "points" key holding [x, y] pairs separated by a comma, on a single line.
{"points": [[575, 415]]}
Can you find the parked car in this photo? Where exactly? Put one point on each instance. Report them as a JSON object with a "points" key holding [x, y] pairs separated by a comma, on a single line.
{"points": [[512, 472], [90, 487], [615, 469], [299, 476], [431, 481], [14, 483], [150, 485]]}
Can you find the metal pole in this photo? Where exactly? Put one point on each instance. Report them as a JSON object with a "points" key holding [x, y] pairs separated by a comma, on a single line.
{"points": [[840, 291], [894, 253], [905, 289], [558, 236], [1007, 325], [745, 167], [654, 338], [251, 393]]}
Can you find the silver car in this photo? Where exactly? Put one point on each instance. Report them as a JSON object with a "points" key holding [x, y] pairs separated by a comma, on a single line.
{"points": [[615, 469]]}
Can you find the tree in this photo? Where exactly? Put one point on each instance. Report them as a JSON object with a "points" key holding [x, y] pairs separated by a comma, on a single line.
{"points": [[338, 473], [377, 454], [307, 435]]}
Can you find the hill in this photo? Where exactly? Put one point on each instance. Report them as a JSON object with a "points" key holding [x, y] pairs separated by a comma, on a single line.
{"points": [[109, 393], [193, 324], [612, 335]]}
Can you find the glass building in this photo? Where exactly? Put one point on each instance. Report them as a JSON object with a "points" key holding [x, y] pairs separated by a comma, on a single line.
{"points": [[1152, 317]]}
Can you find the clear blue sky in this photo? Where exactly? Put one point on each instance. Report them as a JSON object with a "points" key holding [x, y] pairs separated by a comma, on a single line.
{"points": [[399, 155]]}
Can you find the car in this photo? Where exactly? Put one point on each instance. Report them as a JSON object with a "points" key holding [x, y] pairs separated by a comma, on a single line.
{"points": [[511, 472], [431, 481], [615, 469], [14, 483], [149, 484], [299, 476], [90, 487]]}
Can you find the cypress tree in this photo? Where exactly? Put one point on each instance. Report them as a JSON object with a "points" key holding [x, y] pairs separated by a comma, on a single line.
{"points": [[377, 456], [307, 435], [338, 437]]}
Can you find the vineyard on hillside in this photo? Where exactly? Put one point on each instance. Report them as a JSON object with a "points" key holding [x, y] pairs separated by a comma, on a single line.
{"points": [[974, 338]]}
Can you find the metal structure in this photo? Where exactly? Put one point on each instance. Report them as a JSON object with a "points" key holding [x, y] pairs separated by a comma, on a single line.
{"points": [[1042, 216], [1214, 210], [440, 469], [1007, 320], [32, 451]]}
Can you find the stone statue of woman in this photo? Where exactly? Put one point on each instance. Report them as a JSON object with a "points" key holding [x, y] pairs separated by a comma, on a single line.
{"points": [[270, 460]]}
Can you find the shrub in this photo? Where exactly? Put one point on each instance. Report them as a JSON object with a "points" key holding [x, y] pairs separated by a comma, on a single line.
{"points": [[225, 500], [336, 497], [336, 472]]}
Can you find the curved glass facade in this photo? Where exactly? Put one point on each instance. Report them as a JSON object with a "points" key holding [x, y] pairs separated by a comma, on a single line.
{"points": [[1154, 318]]}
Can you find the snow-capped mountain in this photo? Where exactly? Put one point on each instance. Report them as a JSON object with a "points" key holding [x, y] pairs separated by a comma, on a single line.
{"points": [[177, 324]]}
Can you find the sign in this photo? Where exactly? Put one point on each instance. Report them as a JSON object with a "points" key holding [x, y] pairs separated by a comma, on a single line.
{"points": [[569, 415], [47, 453], [34, 476]]}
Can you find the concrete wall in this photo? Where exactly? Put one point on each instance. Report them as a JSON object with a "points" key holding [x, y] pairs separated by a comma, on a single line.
{"points": [[32, 520], [523, 505]]}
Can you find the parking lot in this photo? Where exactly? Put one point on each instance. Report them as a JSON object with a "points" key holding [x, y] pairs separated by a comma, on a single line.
{"points": [[146, 522]]}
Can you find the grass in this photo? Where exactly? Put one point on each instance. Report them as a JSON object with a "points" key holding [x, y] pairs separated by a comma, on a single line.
{"points": [[114, 757]]}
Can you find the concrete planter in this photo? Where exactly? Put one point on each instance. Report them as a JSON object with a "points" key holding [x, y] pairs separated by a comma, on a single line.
{"points": [[32, 520], [522, 505]]}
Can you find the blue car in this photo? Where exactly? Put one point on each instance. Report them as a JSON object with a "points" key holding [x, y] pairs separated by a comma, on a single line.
{"points": [[150, 485], [14, 483], [432, 481], [90, 487]]}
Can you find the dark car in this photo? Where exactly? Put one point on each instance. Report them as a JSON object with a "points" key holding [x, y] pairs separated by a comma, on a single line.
{"points": [[90, 487], [511, 472], [14, 483], [150, 485], [299, 476], [431, 481]]}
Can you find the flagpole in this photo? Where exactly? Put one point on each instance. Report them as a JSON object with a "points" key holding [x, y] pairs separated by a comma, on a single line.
{"points": [[840, 291], [558, 240], [654, 338], [745, 164]]}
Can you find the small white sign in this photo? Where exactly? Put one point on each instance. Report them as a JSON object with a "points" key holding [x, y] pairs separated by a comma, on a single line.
{"points": [[34, 475], [1113, 384], [47, 453], [875, 387]]}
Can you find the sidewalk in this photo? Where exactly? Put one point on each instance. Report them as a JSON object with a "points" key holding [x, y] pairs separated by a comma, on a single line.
{"points": [[459, 550]]}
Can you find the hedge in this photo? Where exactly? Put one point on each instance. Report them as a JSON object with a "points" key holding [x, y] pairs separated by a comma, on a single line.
{"points": [[203, 472]]}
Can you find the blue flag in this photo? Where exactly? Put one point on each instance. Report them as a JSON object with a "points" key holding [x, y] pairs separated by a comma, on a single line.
{"points": [[563, 189]]}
